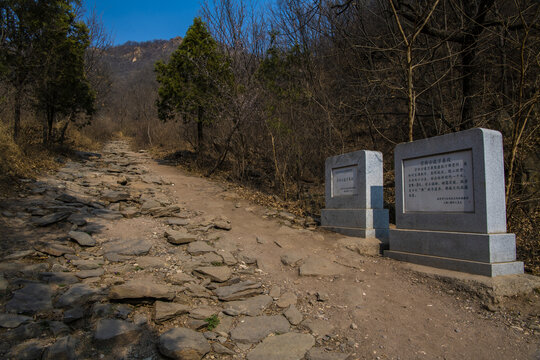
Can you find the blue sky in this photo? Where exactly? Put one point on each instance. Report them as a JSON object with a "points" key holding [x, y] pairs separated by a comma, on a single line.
{"points": [[143, 20]]}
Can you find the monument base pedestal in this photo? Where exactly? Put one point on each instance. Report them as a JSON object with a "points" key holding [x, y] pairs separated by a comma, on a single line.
{"points": [[482, 254], [365, 223]]}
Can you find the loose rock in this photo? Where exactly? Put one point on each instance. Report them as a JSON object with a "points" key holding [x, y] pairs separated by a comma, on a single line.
{"points": [[61, 278], [287, 299], [252, 307], [141, 289], [318, 327], [165, 311], [78, 294], [12, 321], [293, 315], [117, 332], [82, 238], [215, 273], [239, 291], [179, 237], [51, 218], [318, 266], [53, 249], [128, 247], [199, 247], [28, 350], [290, 346], [254, 329], [30, 299], [220, 349], [183, 344]]}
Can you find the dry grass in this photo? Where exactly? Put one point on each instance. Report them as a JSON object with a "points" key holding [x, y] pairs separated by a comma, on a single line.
{"points": [[28, 158]]}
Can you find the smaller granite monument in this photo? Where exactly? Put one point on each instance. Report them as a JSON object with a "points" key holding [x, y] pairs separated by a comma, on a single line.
{"points": [[450, 204], [354, 195]]}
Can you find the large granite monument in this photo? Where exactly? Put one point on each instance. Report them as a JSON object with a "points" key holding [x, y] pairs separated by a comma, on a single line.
{"points": [[354, 195], [450, 204]]}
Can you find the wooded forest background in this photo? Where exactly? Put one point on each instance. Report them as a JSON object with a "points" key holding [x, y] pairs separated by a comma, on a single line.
{"points": [[316, 78]]}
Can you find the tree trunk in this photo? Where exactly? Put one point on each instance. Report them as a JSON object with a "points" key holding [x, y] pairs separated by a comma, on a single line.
{"points": [[63, 132], [200, 136], [17, 114], [50, 123], [468, 53], [411, 109]]}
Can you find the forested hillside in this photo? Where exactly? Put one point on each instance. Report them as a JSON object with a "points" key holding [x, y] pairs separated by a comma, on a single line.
{"points": [[264, 94]]}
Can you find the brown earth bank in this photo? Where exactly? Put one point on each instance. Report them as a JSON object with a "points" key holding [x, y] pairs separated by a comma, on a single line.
{"points": [[119, 257]]}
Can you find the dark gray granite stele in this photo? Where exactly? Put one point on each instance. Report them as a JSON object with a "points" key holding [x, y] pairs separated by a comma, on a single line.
{"points": [[473, 240], [354, 195]]}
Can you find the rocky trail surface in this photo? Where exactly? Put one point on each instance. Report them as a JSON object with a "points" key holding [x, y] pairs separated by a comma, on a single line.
{"points": [[119, 257]]}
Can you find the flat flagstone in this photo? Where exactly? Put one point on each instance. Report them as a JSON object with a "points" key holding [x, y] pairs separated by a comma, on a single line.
{"points": [[117, 332], [286, 299], [252, 307], [115, 196], [82, 238], [87, 264], [28, 350], [128, 247], [215, 273], [183, 344], [51, 218], [318, 327], [53, 249], [3, 283], [239, 291], [180, 278], [85, 274], [77, 294], [63, 278], [64, 348], [199, 248], [319, 266], [254, 329], [290, 346], [165, 311], [30, 299], [12, 320], [179, 237], [294, 316], [141, 289], [151, 262]]}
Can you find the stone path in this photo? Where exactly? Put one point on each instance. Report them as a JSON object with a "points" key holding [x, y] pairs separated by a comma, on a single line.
{"points": [[103, 261]]}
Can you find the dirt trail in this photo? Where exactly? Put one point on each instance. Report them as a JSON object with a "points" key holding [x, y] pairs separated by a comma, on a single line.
{"points": [[123, 293]]}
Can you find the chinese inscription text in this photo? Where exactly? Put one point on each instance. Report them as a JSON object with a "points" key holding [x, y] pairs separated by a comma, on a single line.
{"points": [[439, 183]]}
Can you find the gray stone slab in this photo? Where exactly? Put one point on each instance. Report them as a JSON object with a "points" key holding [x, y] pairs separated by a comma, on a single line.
{"points": [[489, 212], [252, 307], [78, 294], [12, 320], [128, 247], [381, 234], [239, 291], [254, 329], [450, 204], [354, 195], [117, 332], [30, 299], [366, 173], [318, 266], [358, 218], [290, 346], [182, 343], [471, 267], [465, 246]]}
